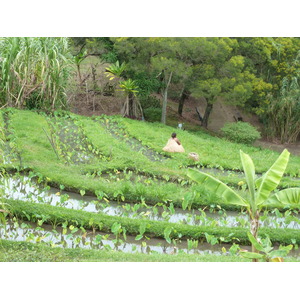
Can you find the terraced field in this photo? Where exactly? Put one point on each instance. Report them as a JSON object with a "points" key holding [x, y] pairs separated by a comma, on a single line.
{"points": [[104, 183]]}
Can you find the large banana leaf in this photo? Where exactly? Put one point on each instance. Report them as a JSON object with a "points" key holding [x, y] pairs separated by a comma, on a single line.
{"points": [[272, 177], [249, 170], [289, 196], [216, 186]]}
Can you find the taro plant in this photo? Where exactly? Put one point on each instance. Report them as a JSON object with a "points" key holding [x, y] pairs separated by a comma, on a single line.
{"points": [[259, 190]]}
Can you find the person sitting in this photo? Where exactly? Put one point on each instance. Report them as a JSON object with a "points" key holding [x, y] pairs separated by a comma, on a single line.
{"points": [[173, 144]]}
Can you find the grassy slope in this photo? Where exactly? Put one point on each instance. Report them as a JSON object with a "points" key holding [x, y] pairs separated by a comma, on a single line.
{"points": [[38, 155]]}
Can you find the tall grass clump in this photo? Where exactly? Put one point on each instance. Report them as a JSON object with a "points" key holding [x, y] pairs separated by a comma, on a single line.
{"points": [[34, 72], [283, 112]]}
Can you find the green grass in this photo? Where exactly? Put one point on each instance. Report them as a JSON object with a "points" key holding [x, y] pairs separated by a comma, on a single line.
{"points": [[29, 252], [38, 156]]}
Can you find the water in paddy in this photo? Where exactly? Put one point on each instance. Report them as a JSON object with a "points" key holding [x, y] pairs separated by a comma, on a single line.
{"points": [[72, 237], [79, 238], [24, 189]]}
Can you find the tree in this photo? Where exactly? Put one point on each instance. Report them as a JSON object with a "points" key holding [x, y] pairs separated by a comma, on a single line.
{"points": [[222, 74], [157, 56], [259, 189]]}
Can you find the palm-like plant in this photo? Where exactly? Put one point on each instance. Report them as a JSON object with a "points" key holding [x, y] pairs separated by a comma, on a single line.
{"points": [[259, 189], [115, 70], [132, 106]]}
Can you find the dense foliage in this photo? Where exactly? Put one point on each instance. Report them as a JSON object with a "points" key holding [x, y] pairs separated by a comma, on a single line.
{"points": [[240, 132], [34, 72], [258, 74]]}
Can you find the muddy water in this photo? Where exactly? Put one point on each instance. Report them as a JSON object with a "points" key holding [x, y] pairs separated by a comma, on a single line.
{"points": [[26, 190]]}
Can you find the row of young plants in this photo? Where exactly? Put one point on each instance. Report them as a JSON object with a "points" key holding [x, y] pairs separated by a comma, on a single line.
{"points": [[117, 130], [120, 232], [31, 188], [69, 142], [137, 227]]}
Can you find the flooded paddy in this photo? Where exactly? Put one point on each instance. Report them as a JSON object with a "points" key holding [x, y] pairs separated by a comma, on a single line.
{"points": [[23, 188], [72, 237]]}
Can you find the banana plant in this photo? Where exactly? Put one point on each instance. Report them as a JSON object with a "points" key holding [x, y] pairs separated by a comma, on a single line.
{"points": [[259, 189], [264, 246]]}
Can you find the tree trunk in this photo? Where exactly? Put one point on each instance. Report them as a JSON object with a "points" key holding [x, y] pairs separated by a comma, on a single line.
{"points": [[130, 105], [208, 110], [165, 100], [185, 94], [79, 73], [254, 224]]}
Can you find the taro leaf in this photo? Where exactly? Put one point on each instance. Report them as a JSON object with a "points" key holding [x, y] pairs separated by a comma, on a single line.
{"points": [[217, 186], [115, 228], [211, 239], [138, 237], [167, 233]]}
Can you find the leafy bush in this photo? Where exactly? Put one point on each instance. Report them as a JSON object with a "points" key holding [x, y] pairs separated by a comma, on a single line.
{"points": [[152, 114], [240, 132], [149, 102], [110, 57], [147, 83]]}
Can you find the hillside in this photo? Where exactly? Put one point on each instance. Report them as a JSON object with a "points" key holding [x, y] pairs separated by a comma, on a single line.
{"points": [[89, 99], [221, 113], [108, 175]]}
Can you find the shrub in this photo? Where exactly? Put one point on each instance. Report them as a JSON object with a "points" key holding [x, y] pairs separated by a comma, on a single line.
{"points": [[240, 132], [147, 83], [152, 114], [150, 102]]}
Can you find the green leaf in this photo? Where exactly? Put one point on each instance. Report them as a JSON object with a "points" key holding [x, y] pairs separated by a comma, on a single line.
{"points": [[142, 228], [281, 252], [289, 196], [216, 186], [138, 237], [251, 255], [115, 228], [272, 177], [167, 233], [255, 243]]}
